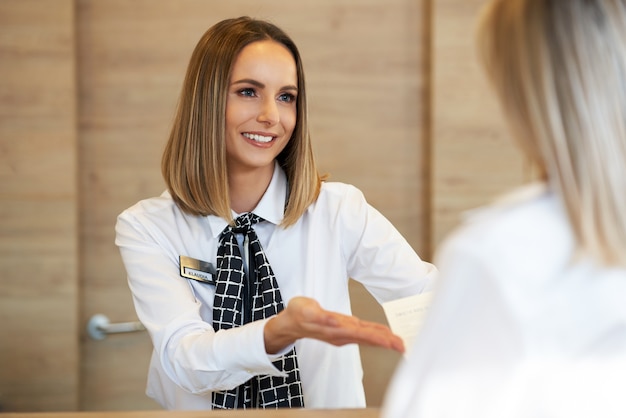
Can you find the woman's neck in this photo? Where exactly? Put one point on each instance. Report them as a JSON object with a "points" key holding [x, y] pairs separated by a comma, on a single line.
{"points": [[247, 188]]}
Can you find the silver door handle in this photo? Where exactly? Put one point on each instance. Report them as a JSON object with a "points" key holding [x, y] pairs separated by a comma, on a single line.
{"points": [[99, 327]]}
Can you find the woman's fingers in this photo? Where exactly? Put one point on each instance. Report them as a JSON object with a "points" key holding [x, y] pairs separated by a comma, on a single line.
{"points": [[339, 329], [305, 318], [351, 330]]}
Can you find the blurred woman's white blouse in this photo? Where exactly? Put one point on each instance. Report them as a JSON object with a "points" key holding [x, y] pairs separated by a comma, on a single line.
{"points": [[519, 325]]}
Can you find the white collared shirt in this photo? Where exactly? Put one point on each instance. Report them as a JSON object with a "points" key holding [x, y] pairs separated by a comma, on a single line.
{"points": [[518, 327], [340, 236]]}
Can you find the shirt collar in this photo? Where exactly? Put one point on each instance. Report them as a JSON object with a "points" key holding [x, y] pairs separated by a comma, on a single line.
{"points": [[271, 207]]}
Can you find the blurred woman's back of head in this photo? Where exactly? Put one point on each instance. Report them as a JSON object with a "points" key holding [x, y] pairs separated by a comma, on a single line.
{"points": [[559, 69]]}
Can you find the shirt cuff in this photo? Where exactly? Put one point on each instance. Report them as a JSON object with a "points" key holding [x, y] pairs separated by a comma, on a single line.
{"points": [[245, 346]]}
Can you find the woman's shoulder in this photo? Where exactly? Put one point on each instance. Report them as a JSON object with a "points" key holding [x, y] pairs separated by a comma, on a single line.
{"points": [[161, 216], [334, 190], [153, 205], [339, 197], [337, 200], [530, 213], [160, 212]]}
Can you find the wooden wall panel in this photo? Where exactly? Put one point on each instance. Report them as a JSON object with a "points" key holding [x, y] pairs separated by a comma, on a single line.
{"points": [[38, 210], [473, 157]]}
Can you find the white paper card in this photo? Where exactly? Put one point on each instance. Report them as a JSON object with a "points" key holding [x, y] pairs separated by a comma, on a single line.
{"points": [[405, 316]]}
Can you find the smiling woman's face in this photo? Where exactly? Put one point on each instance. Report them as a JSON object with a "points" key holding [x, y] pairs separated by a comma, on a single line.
{"points": [[261, 106]]}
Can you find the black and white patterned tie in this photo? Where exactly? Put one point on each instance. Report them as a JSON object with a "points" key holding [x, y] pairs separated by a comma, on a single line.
{"points": [[241, 298]]}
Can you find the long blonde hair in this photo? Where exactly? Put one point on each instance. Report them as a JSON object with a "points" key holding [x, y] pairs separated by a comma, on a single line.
{"points": [[559, 69], [194, 160]]}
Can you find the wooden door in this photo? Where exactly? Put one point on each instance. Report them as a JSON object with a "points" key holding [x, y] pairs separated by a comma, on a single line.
{"points": [[365, 80], [129, 65]]}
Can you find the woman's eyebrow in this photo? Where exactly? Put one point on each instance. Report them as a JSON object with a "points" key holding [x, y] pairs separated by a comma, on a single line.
{"points": [[249, 81], [260, 85]]}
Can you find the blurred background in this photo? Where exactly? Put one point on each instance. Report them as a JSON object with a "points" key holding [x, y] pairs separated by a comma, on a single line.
{"points": [[398, 107]]}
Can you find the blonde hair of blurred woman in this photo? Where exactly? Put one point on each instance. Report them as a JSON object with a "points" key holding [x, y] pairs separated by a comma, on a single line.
{"points": [[559, 69], [194, 160]]}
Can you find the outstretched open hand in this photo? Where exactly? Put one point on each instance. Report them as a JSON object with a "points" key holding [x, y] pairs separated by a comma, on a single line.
{"points": [[305, 318]]}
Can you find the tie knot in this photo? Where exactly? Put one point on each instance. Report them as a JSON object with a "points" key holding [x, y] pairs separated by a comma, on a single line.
{"points": [[244, 222]]}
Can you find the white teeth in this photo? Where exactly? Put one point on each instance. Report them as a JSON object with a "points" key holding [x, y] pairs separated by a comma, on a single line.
{"points": [[258, 138]]}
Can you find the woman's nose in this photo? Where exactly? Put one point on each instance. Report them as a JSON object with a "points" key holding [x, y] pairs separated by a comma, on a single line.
{"points": [[269, 112]]}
